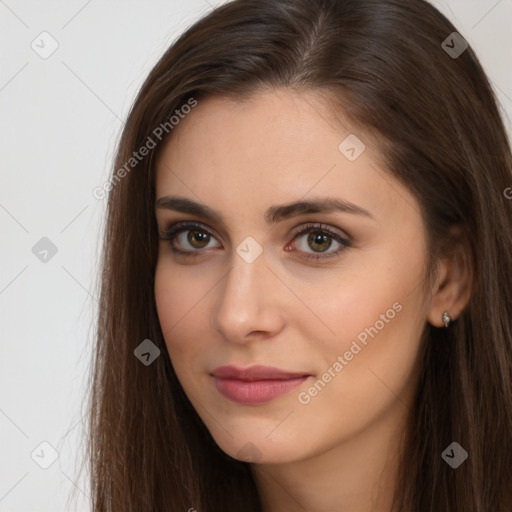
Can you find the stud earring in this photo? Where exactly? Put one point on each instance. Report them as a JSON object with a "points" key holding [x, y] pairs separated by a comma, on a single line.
{"points": [[446, 319]]}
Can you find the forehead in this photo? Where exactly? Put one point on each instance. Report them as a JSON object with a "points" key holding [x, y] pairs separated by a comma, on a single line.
{"points": [[275, 147], [268, 132]]}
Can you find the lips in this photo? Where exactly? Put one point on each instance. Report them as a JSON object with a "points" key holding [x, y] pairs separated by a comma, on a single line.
{"points": [[255, 384]]}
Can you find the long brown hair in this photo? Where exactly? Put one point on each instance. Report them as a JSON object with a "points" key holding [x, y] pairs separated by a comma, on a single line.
{"points": [[435, 118]]}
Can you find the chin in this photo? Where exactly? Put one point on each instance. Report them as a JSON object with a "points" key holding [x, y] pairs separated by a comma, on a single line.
{"points": [[247, 447]]}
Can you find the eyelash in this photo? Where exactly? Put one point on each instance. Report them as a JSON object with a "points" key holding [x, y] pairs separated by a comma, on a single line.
{"points": [[172, 232]]}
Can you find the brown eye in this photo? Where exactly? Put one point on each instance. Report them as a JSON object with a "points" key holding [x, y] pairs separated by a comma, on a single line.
{"points": [[319, 240], [197, 239], [187, 239]]}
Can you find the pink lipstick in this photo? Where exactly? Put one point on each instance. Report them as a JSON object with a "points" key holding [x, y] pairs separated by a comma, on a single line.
{"points": [[255, 384]]}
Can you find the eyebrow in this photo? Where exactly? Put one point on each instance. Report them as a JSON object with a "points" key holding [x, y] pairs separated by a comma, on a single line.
{"points": [[273, 214]]}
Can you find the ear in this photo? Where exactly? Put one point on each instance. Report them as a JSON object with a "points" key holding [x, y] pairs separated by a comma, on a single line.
{"points": [[452, 289]]}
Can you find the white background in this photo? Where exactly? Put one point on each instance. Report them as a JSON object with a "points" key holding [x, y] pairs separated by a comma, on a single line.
{"points": [[60, 120]]}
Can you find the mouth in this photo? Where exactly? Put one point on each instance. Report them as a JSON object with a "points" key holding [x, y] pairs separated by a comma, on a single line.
{"points": [[255, 384]]}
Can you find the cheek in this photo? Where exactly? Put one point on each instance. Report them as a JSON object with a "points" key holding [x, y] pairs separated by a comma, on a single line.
{"points": [[369, 381], [169, 308], [375, 315], [178, 293], [358, 305], [376, 353], [178, 297]]}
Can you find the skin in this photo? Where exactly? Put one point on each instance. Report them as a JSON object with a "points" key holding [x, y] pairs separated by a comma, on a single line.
{"points": [[338, 451]]}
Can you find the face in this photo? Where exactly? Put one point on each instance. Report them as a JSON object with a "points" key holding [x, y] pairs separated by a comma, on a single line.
{"points": [[331, 298]]}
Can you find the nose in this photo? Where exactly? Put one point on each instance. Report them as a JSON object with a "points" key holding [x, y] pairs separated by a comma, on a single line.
{"points": [[250, 303]]}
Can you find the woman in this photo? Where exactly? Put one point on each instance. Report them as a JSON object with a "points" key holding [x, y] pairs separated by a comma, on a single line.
{"points": [[307, 272]]}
